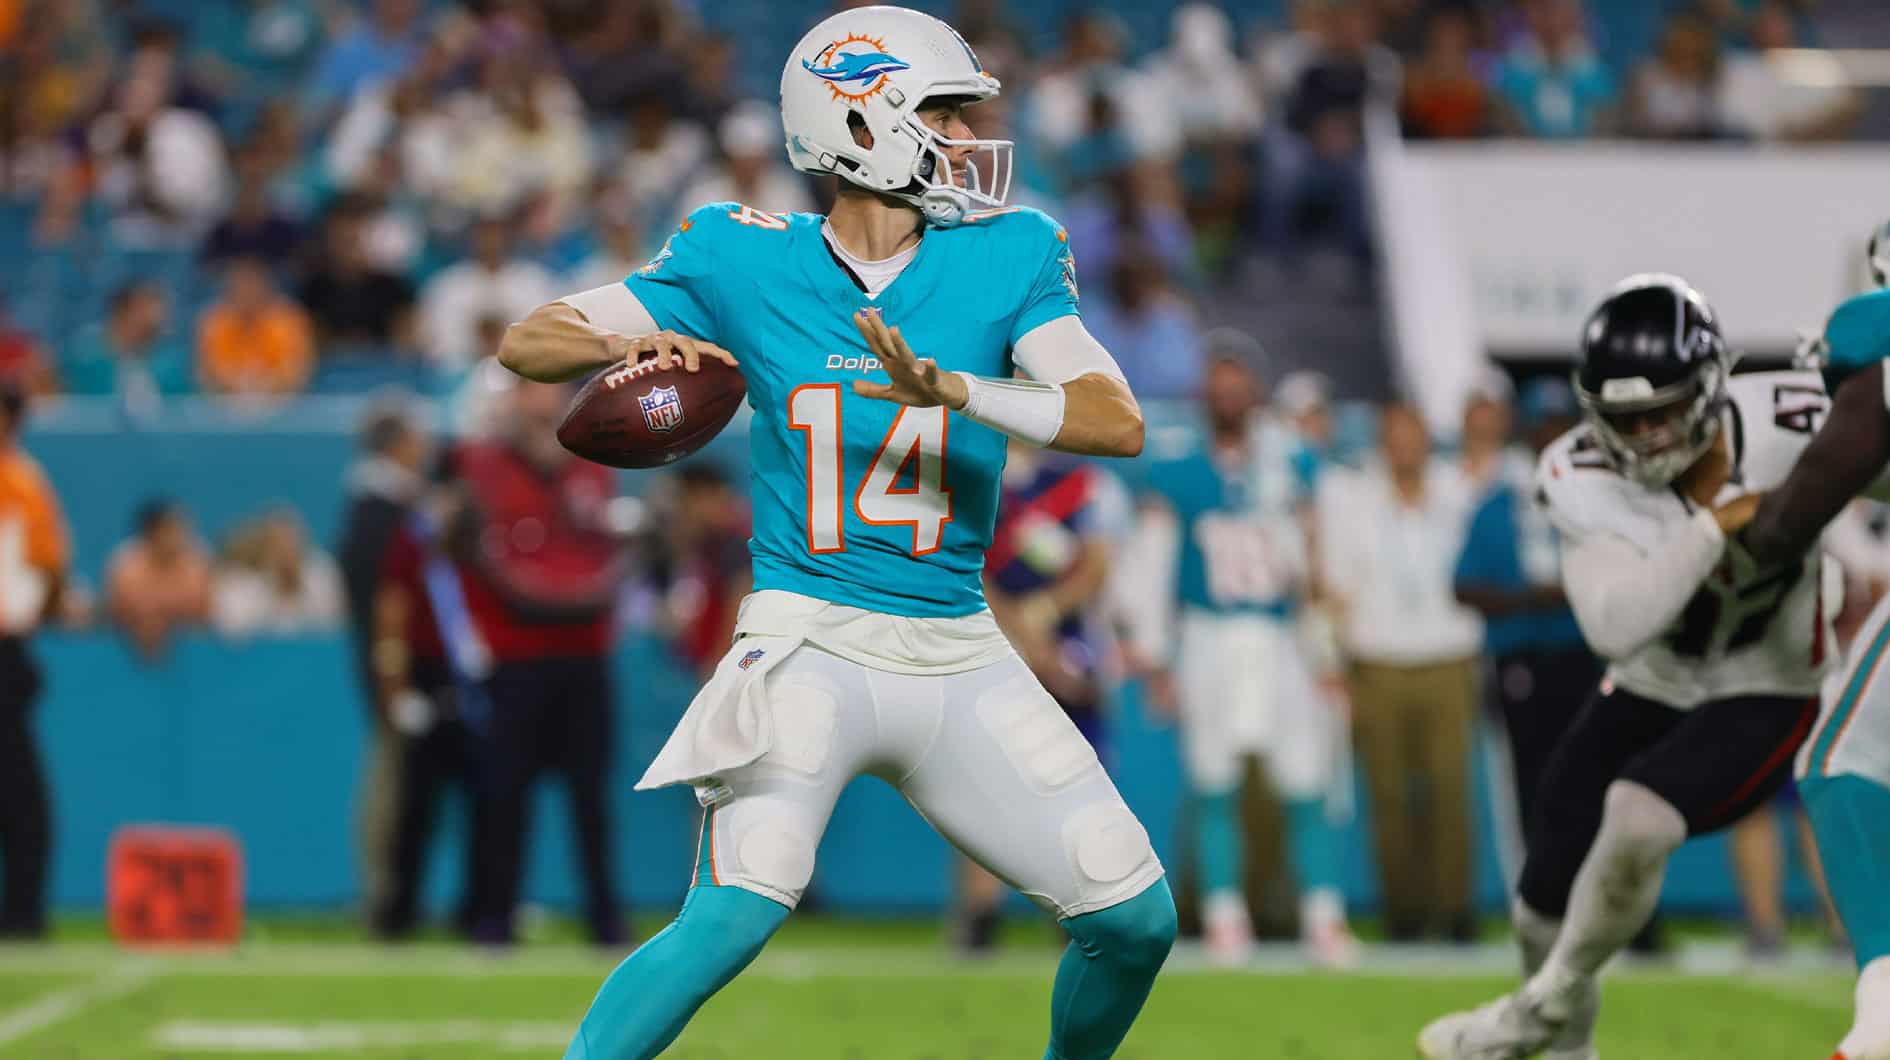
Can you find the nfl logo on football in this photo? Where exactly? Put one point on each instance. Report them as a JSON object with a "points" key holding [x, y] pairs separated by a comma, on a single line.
{"points": [[662, 409]]}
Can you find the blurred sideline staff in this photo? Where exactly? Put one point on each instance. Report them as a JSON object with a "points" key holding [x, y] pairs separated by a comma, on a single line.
{"points": [[1390, 536], [34, 553], [541, 575], [1510, 572], [383, 486]]}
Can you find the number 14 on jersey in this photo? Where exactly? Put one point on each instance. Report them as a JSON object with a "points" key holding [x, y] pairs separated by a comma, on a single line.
{"points": [[913, 451]]}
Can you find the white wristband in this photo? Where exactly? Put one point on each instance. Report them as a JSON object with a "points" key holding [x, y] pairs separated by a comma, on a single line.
{"points": [[1030, 412]]}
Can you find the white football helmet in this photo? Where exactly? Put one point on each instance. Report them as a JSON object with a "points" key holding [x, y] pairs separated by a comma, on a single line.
{"points": [[874, 67]]}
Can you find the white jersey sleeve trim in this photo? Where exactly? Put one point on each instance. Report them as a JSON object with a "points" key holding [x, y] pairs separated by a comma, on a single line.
{"points": [[613, 308], [1625, 597], [1061, 350]]}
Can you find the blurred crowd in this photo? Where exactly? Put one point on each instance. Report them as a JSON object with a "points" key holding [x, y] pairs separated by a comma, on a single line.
{"points": [[253, 199]]}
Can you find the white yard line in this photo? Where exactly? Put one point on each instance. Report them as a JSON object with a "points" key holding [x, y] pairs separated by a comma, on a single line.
{"points": [[61, 1005], [330, 1036]]}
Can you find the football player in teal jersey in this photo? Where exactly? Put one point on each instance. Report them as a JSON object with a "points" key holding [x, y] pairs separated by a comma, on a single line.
{"points": [[879, 345], [1238, 680], [1844, 769]]}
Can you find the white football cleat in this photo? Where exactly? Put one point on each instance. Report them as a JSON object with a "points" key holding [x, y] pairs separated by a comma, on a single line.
{"points": [[1226, 930], [1509, 1028], [1324, 934]]}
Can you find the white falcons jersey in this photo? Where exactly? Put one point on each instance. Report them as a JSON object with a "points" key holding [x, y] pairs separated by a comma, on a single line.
{"points": [[1746, 631]]}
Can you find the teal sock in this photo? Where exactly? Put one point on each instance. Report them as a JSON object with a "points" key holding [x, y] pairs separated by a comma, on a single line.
{"points": [[648, 1000], [1314, 845], [1106, 973], [1218, 848], [1848, 814]]}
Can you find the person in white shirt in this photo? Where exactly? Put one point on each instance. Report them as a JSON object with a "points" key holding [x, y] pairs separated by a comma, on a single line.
{"points": [[519, 137], [1775, 93], [160, 169], [274, 583], [1390, 536], [1201, 75], [491, 283]]}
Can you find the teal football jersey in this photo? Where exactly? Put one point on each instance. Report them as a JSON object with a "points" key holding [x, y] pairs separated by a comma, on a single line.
{"points": [[858, 501], [1238, 550], [1857, 336]]}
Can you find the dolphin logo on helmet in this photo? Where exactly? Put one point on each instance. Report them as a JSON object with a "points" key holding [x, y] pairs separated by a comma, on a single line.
{"points": [[866, 70]]}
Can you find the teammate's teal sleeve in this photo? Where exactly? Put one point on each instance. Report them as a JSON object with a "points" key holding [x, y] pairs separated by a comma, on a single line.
{"points": [[1857, 336], [857, 501]]}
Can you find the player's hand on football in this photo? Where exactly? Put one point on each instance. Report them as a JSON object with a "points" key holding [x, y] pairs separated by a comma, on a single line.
{"points": [[1733, 516], [916, 381], [671, 349]]}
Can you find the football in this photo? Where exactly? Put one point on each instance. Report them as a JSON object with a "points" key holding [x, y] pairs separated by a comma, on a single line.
{"points": [[637, 416]]}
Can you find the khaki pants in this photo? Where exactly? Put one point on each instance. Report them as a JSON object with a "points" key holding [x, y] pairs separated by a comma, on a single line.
{"points": [[1412, 726]]}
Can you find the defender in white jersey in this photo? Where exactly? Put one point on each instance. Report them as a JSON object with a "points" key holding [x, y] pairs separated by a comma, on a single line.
{"points": [[1714, 661], [1844, 769]]}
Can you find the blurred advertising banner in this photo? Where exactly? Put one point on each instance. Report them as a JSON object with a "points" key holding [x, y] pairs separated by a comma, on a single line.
{"points": [[1501, 249], [1774, 237]]}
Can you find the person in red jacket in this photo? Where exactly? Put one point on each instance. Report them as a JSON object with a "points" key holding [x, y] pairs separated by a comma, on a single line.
{"points": [[540, 571]]}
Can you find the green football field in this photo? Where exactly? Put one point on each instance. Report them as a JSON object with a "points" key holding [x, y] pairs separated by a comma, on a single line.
{"points": [[839, 992]]}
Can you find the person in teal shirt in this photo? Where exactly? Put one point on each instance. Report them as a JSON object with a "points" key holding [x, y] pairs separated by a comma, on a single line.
{"points": [[1552, 83], [1541, 668], [130, 355]]}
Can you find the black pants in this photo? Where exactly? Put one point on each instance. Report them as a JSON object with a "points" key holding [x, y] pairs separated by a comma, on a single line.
{"points": [[548, 714], [1540, 694], [431, 764], [25, 817], [1714, 764]]}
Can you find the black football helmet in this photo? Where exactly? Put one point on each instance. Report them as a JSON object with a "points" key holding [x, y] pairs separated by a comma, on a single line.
{"points": [[1652, 379]]}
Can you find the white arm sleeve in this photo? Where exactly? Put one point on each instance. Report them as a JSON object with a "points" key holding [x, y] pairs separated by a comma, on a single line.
{"points": [[1062, 350], [1624, 597], [613, 308]]}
